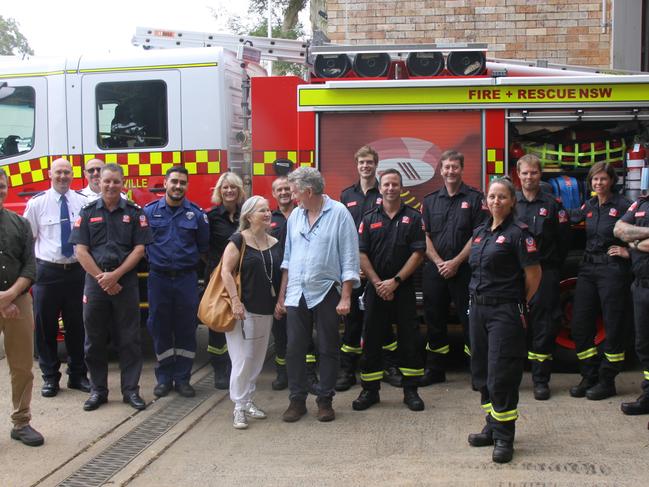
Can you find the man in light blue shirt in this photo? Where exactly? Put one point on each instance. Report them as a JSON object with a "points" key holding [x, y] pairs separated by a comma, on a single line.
{"points": [[320, 268]]}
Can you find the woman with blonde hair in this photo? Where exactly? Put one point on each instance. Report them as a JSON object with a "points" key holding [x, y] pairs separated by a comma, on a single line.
{"points": [[253, 308], [228, 196]]}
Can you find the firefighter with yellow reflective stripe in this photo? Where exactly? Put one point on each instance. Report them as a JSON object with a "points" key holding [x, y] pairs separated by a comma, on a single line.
{"points": [[604, 278], [505, 274], [633, 227], [392, 246]]}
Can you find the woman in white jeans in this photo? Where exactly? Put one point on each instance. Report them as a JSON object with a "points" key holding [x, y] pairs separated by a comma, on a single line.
{"points": [[260, 279]]}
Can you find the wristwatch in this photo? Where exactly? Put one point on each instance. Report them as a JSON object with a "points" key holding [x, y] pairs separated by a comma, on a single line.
{"points": [[397, 279]]}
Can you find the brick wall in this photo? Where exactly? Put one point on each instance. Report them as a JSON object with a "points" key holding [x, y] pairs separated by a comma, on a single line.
{"points": [[561, 31]]}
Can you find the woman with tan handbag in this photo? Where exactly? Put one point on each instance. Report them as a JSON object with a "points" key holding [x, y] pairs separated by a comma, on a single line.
{"points": [[252, 305]]}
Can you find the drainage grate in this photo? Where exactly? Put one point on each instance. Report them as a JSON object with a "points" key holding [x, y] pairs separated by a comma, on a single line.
{"points": [[119, 454]]}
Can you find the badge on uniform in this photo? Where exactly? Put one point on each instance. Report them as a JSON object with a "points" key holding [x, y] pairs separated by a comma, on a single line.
{"points": [[126, 219], [360, 228], [484, 205], [143, 222], [352, 203], [477, 240], [189, 215], [405, 219], [77, 222], [501, 239], [379, 200], [273, 224], [589, 214], [465, 205], [563, 216], [633, 206], [97, 219], [639, 214], [376, 225], [205, 218], [612, 212], [543, 212], [530, 243]]}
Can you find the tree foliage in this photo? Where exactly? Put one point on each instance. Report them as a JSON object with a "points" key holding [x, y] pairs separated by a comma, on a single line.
{"points": [[12, 42]]}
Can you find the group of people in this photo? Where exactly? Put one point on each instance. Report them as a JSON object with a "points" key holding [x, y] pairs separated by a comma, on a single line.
{"points": [[314, 262]]}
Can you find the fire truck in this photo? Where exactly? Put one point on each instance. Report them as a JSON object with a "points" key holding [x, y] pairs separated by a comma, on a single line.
{"points": [[204, 101]]}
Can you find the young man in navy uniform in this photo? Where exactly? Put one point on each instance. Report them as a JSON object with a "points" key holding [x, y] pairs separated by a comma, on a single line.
{"points": [[450, 214], [110, 234], [180, 238], [58, 289], [360, 198], [392, 246], [549, 223]]}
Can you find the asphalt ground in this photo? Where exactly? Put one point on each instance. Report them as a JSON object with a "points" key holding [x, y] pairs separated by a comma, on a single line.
{"points": [[563, 441]]}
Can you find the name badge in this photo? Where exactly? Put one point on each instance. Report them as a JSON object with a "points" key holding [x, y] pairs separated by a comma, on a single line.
{"points": [[501, 239], [543, 212], [465, 205], [639, 214], [352, 203], [126, 219], [376, 225], [405, 219], [96, 219]]}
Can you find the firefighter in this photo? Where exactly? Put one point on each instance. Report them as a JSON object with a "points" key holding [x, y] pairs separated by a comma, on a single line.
{"points": [[603, 280], [228, 196], [549, 223], [392, 246], [360, 198], [91, 170], [450, 215], [180, 237], [110, 234], [633, 227], [505, 274]]}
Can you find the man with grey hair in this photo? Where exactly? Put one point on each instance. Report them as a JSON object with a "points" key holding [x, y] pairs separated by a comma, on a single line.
{"points": [[320, 268], [91, 171]]}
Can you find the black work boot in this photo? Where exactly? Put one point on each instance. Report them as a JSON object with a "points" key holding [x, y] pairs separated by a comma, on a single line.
{"points": [[366, 399], [484, 438], [393, 376], [435, 370], [281, 381], [412, 399], [312, 378], [580, 389], [222, 368], [503, 451], [347, 374], [639, 406], [604, 389], [541, 391]]}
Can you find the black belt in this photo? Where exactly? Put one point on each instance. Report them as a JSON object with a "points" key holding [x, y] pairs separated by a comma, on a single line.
{"points": [[172, 272], [596, 258], [491, 300], [54, 265]]}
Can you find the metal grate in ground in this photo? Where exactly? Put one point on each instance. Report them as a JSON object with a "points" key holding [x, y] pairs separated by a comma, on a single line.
{"points": [[119, 454]]}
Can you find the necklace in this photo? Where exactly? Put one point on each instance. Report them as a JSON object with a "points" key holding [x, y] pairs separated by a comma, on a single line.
{"points": [[269, 276]]}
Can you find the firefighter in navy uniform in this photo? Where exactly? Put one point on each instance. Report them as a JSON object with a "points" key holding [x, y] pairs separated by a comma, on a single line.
{"points": [[360, 198], [111, 234], [633, 227], [392, 246], [505, 274], [450, 215], [180, 237], [604, 279], [549, 223]]}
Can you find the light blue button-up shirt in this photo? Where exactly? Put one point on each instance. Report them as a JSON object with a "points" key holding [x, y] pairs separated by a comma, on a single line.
{"points": [[321, 256]]}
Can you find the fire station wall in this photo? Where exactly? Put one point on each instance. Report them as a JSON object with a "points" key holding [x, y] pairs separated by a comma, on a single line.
{"points": [[561, 31]]}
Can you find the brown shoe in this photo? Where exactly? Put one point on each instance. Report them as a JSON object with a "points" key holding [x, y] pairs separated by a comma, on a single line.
{"points": [[325, 411], [296, 409]]}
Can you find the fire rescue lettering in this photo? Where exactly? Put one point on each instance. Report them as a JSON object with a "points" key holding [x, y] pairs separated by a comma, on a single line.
{"points": [[509, 94]]}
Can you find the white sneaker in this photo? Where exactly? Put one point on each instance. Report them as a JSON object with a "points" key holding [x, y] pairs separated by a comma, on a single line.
{"points": [[239, 419], [254, 412]]}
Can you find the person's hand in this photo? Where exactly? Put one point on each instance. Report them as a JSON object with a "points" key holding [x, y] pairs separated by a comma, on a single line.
{"points": [[115, 289], [344, 306], [618, 251], [386, 288], [280, 310], [11, 311], [107, 280], [238, 310], [6, 298], [448, 268]]}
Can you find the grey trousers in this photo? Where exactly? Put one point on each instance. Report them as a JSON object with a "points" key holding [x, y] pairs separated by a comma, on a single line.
{"points": [[299, 327]]}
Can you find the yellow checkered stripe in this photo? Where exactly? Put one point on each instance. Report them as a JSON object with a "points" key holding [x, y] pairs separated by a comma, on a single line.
{"points": [[208, 161], [591, 352], [505, 416], [496, 161], [262, 161], [539, 357], [441, 350]]}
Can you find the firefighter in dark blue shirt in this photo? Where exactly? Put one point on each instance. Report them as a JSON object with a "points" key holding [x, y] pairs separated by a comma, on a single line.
{"points": [[180, 237], [505, 274], [549, 223], [604, 279], [392, 246]]}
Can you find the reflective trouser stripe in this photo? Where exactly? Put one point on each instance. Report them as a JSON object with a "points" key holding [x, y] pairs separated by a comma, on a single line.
{"points": [[505, 415], [614, 357], [185, 353], [411, 372], [217, 351], [646, 374], [441, 350], [372, 376], [165, 354], [280, 361], [540, 357], [467, 350], [348, 349], [391, 347], [487, 407], [591, 352], [310, 359]]}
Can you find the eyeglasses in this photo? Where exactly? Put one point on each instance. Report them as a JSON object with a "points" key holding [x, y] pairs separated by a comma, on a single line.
{"points": [[93, 169]]}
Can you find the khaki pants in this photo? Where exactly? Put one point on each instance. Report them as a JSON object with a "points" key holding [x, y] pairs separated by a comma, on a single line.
{"points": [[19, 348]]}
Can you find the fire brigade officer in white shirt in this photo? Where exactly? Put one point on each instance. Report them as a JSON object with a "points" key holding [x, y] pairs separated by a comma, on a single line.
{"points": [[58, 290], [91, 170]]}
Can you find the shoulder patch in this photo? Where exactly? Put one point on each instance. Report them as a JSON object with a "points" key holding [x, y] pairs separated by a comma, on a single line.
{"points": [[521, 225], [38, 194], [151, 203]]}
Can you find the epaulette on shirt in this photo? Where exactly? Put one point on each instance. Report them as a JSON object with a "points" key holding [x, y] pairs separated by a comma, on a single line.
{"points": [[195, 206], [520, 224], [38, 194], [91, 203], [151, 203], [80, 191], [133, 204]]}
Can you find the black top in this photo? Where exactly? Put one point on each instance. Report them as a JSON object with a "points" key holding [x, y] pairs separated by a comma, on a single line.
{"points": [[449, 221], [111, 235], [221, 228], [278, 226], [358, 203], [389, 242], [548, 222], [255, 287], [600, 221], [638, 215], [498, 258], [16, 249]]}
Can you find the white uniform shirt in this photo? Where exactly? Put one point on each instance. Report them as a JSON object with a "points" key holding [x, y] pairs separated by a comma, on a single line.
{"points": [[44, 215], [90, 194]]}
